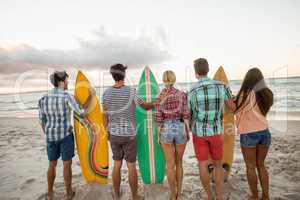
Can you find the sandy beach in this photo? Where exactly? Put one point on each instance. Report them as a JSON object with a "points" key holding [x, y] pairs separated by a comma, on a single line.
{"points": [[24, 163]]}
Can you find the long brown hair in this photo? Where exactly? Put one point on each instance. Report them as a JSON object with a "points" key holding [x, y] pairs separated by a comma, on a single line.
{"points": [[254, 81]]}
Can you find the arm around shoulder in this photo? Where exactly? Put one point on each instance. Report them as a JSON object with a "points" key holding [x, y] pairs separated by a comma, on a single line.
{"points": [[230, 103], [85, 108], [147, 105], [229, 99]]}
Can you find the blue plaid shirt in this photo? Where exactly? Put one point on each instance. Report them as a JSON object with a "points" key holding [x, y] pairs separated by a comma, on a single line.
{"points": [[55, 114], [206, 101]]}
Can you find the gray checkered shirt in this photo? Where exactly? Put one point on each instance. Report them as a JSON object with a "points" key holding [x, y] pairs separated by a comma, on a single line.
{"points": [[55, 113]]}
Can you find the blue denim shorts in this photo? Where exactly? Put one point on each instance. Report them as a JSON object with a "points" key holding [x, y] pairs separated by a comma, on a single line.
{"points": [[173, 131], [64, 148], [256, 138]]}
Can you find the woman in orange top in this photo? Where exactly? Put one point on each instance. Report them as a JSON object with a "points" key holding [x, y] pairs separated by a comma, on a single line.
{"points": [[253, 102]]}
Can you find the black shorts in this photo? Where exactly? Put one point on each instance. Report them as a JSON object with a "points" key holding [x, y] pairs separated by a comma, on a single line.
{"points": [[123, 147]]}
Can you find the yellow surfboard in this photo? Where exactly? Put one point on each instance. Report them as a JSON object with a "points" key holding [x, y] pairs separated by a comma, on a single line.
{"points": [[229, 128], [91, 138]]}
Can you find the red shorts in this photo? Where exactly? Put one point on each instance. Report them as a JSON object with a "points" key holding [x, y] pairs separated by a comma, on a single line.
{"points": [[208, 145]]}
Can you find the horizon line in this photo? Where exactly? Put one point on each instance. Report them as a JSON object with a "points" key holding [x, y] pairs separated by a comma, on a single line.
{"points": [[44, 90]]}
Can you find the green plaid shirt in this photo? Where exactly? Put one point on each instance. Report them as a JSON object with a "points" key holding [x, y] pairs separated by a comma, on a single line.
{"points": [[206, 101]]}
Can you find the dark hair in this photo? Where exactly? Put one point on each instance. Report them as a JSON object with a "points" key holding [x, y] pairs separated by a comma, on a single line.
{"points": [[201, 66], [254, 81], [57, 77], [118, 72]]}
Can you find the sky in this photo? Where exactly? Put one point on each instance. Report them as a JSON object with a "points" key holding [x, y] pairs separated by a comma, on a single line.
{"points": [[38, 37]]}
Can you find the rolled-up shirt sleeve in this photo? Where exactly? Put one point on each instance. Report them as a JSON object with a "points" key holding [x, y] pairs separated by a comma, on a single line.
{"points": [[228, 93], [138, 100], [74, 105], [42, 116], [191, 108], [189, 102]]}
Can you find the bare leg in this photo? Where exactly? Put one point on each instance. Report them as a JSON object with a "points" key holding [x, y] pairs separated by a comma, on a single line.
{"points": [[51, 178], [116, 177], [133, 180], [169, 151], [205, 178], [179, 150], [249, 155], [68, 178], [262, 151], [218, 169]]}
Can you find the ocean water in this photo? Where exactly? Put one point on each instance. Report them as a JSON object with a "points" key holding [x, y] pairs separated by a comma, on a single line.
{"points": [[286, 94]]}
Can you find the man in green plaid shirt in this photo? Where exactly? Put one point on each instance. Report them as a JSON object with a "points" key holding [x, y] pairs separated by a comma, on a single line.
{"points": [[206, 100]]}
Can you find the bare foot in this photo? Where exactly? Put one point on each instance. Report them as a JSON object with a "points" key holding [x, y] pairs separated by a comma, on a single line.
{"points": [[116, 195], [70, 196], [205, 196], [178, 197], [137, 197], [173, 198], [49, 196], [251, 197]]}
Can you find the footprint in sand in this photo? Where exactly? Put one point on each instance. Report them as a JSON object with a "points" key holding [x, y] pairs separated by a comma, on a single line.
{"points": [[27, 183]]}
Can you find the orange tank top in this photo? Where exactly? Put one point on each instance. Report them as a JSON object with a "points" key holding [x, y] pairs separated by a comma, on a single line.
{"points": [[249, 118]]}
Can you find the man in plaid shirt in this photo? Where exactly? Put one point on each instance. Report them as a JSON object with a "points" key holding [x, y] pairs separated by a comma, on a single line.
{"points": [[206, 101], [55, 115]]}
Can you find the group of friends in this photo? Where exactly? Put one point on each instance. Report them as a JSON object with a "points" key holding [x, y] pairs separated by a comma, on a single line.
{"points": [[198, 111]]}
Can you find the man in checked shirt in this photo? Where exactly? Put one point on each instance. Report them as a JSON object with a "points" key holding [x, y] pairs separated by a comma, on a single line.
{"points": [[206, 100], [55, 115]]}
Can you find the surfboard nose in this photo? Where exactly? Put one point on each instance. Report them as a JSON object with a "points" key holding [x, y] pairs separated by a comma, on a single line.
{"points": [[221, 70], [220, 75], [147, 68]]}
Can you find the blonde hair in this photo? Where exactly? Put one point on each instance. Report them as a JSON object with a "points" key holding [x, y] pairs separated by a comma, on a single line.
{"points": [[169, 78]]}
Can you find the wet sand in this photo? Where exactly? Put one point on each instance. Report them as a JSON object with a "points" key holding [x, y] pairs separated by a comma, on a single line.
{"points": [[23, 165]]}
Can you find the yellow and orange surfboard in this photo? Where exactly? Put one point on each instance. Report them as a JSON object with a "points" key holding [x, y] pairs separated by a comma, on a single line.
{"points": [[90, 134], [229, 128]]}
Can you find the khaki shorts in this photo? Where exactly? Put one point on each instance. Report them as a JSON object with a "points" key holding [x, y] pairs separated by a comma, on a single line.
{"points": [[123, 147]]}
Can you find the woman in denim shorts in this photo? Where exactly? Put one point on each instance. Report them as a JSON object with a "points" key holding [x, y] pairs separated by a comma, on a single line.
{"points": [[172, 116], [253, 102]]}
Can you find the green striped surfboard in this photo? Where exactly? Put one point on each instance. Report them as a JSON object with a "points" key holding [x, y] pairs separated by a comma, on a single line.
{"points": [[150, 154]]}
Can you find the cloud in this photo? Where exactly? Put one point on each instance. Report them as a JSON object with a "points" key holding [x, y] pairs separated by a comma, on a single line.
{"points": [[101, 51]]}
